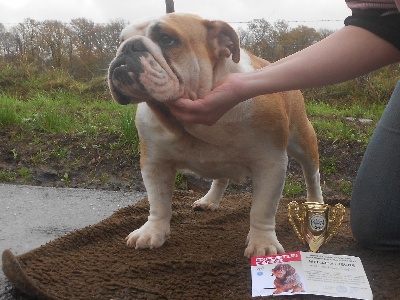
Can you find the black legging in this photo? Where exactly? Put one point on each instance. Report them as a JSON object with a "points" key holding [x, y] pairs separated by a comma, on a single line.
{"points": [[375, 203]]}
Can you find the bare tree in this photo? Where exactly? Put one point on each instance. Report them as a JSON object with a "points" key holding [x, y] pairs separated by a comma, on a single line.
{"points": [[26, 35], [169, 4], [54, 41]]}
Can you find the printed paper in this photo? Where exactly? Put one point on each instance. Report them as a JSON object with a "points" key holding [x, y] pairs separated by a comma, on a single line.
{"points": [[309, 273]]}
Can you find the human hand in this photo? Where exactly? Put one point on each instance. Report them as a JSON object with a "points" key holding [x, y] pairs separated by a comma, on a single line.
{"points": [[207, 111]]}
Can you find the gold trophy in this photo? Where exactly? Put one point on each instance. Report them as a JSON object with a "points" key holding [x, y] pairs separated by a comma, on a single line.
{"points": [[316, 222]]}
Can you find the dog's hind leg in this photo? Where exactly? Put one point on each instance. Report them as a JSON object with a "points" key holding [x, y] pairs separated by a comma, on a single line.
{"points": [[213, 197], [303, 147]]}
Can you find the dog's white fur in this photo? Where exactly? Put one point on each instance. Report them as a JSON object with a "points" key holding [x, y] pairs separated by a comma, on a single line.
{"points": [[182, 55]]}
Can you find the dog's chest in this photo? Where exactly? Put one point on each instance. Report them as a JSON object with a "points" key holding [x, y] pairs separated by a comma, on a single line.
{"points": [[211, 161], [224, 157], [219, 151]]}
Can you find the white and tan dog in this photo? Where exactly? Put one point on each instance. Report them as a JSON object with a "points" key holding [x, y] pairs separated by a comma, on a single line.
{"points": [[182, 55]]}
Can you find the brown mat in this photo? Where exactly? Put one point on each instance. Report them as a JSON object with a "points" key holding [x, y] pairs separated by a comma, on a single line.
{"points": [[202, 260]]}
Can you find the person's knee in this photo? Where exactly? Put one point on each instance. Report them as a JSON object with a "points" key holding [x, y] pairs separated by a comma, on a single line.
{"points": [[363, 232], [369, 232], [375, 203], [364, 237]]}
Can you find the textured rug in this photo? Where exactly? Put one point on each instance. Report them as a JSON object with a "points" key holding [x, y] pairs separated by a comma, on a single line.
{"points": [[202, 260]]}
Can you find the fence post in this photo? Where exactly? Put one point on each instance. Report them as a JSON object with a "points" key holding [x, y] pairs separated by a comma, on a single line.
{"points": [[169, 4]]}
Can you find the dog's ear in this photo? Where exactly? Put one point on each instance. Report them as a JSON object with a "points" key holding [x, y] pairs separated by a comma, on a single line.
{"points": [[289, 269], [223, 40], [277, 267]]}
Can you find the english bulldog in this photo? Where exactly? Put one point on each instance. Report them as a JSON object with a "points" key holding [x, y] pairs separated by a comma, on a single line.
{"points": [[183, 55]]}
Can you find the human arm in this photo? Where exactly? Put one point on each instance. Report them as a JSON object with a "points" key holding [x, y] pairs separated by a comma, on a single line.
{"points": [[346, 54]]}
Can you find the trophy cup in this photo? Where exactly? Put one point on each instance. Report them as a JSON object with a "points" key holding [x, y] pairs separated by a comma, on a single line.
{"points": [[315, 223]]}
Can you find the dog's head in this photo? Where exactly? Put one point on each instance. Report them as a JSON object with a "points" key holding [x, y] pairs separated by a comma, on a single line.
{"points": [[281, 271], [177, 55]]}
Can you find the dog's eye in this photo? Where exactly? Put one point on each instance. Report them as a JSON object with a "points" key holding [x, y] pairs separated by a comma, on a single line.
{"points": [[166, 40]]}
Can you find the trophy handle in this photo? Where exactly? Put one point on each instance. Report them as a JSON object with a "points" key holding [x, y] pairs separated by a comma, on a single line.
{"points": [[335, 217], [295, 212]]}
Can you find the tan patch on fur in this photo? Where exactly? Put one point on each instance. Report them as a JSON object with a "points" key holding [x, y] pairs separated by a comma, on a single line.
{"points": [[302, 131], [270, 119], [257, 62], [270, 112], [281, 114]]}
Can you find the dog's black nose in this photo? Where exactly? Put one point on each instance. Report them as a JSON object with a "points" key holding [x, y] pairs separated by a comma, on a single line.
{"points": [[133, 46]]}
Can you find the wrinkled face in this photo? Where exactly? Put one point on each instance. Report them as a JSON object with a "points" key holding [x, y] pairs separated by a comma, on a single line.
{"points": [[163, 59]]}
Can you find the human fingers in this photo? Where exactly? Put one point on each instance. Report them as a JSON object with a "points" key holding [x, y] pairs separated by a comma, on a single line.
{"points": [[189, 111], [212, 107]]}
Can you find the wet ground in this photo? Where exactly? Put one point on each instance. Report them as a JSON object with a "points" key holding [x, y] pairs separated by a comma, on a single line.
{"points": [[32, 216]]}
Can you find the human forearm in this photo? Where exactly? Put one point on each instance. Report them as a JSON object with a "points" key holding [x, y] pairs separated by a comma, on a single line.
{"points": [[346, 54]]}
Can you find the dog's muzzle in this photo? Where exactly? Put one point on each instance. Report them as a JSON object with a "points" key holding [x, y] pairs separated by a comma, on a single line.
{"points": [[140, 73]]}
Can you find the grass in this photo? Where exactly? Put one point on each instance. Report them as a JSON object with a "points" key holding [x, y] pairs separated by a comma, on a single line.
{"points": [[25, 173], [8, 113], [327, 165], [331, 120], [62, 112], [128, 129], [7, 176], [351, 109], [293, 189], [346, 187], [66, 113]]}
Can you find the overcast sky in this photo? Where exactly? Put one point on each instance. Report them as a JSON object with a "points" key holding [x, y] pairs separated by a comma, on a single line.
{"points": [[296, 12]]}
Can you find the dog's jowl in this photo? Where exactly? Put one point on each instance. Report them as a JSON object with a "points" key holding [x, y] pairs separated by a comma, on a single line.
{"points": [[182, 55]]}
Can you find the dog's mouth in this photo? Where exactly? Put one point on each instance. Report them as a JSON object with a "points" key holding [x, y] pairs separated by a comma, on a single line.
{"points": [[138, 75], [124, 81]]}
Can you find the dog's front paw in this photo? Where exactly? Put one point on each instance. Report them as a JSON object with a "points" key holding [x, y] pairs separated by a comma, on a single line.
{"points": [[153, 234], [260, 243]]}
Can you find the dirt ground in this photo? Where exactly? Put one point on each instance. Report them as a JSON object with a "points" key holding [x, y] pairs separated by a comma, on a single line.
{"points": [[103, 162]]}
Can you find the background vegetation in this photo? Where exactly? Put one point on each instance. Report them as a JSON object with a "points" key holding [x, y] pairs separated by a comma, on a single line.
{"points": [[81, 47], [59, 125]]}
